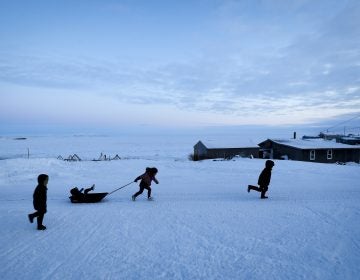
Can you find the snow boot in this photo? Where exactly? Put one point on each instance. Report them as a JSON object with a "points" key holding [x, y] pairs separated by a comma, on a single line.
{"points": [[150, 198], [133, 198], [263, 192], [42, 227], [251, 187], [31, 218]]}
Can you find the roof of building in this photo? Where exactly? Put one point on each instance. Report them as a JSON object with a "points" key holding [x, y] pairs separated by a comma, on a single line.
{"points": [[230, 143], [350, 138]]}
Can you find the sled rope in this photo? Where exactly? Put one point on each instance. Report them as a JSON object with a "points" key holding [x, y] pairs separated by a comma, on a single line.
{"points": [[120, 188]]}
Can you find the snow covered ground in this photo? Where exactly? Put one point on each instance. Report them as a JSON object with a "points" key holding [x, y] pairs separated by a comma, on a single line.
{"points": [[202, 224]]}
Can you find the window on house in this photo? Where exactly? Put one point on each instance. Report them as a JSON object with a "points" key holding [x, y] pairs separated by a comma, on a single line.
{"points": [[329, 154], [312, 155]]}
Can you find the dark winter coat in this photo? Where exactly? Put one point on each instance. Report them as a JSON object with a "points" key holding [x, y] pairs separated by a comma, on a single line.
{"points": [[40, 197], [264, 178], [146, 179]]}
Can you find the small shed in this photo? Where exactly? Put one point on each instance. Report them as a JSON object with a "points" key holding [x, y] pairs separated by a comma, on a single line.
{"points": [[206, 151], [314, 150]]}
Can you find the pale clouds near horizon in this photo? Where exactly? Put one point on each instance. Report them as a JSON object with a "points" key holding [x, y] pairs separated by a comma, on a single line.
{"points": [[188, 63]]}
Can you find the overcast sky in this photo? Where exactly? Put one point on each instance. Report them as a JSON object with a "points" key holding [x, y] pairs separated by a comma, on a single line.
{"points": [[184, 63]]}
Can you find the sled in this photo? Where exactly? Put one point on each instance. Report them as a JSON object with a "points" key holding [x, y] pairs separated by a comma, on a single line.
{"points": [[78, 197], [88, 198]]}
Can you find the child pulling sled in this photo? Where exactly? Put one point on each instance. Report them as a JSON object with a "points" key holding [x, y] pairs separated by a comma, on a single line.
{"points": [[145, 182]]}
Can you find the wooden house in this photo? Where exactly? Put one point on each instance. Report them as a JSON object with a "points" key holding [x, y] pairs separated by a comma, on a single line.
{"points": [[202, 151], [313, 150], [350, 140]]}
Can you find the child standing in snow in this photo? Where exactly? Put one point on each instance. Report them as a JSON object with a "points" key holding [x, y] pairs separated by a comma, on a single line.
{"points": [[39, 201], [264, 179], [145, 182]]}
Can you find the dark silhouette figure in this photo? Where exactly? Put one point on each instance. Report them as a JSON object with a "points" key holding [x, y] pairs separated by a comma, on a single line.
{"points": [[145, 182], [79, 194], [264, 179], [39, 201]]}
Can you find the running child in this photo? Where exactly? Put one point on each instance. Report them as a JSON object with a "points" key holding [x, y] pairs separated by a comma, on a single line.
{"points": [[145, 182], [264, 180]]}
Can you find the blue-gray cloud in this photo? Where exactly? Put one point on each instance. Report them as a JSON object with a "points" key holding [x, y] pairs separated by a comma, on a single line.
{"points": [[269, 56]]}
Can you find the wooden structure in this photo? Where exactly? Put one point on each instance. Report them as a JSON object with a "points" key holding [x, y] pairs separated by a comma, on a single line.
{"points": [[202, 151], [313, 150]]}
